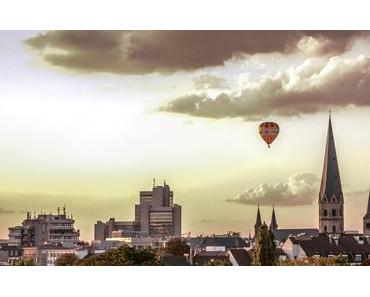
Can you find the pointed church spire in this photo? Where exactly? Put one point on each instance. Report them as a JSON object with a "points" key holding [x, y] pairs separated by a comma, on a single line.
{"points": [[273, 224], [258, 223], [367, 215], [330, 182]]}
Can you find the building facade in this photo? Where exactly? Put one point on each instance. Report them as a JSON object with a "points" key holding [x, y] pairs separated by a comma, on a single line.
{"points": [[156, 216], [45, 228], [331, 200]]}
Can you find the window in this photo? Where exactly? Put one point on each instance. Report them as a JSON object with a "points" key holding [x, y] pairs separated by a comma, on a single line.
{"points": [[368, 225], [358, 258], [325, 229], [334, 228], [334, 212], [325, 213]]}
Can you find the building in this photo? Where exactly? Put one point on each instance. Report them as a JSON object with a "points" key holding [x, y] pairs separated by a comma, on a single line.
{"points": [[354, 247], [156, 216], [217, 243], [206, 258], [45, 228], [366, 220], [171, 260], [281, 235], [47, 254], [258, 223], [112, 227], [239, 257], [140, 242], [331, 200]]}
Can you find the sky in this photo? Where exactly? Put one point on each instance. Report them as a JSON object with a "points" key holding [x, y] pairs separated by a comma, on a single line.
{"points": [[89, 118]]}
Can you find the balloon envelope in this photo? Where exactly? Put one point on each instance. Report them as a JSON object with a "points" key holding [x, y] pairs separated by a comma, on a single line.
{"points": [[269, 131]]}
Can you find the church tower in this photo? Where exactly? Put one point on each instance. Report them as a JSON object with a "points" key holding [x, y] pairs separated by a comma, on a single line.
{"points": [[273, 224], [331, 215], [366, 220], [258, 223]]}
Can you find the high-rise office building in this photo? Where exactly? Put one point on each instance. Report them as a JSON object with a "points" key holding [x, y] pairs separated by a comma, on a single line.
{"points": [[45, 228], [156, 216]]}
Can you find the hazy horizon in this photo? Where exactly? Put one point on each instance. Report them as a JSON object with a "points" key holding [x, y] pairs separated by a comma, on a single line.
{"points": [[89, 118]]}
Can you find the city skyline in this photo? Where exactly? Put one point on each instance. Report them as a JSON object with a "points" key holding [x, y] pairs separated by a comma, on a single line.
{"points": [[91, 136]]}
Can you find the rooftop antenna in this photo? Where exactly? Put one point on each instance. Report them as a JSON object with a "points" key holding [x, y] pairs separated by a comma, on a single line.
{"points": [[58, 210], [164, 182], [34, 214], [64, 209], [153, 183]]}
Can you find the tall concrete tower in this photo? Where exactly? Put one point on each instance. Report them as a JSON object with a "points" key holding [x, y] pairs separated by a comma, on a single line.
{"points": [[331, 201]]}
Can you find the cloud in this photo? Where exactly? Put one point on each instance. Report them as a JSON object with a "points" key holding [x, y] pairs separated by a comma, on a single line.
{"points": [[6, 211], [209, 81], [317, 83], [358, 193], [142, 52], [300, 189]]}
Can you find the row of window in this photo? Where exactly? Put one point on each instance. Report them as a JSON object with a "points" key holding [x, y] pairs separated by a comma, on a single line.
{"points": [[334, 229], [333, 212]]}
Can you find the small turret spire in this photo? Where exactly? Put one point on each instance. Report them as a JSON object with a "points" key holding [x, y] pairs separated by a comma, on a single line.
{"points": [[258, 223], [273, 224]]}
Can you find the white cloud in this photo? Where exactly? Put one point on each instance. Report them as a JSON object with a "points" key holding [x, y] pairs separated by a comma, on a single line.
{"points": [[300, 189]]}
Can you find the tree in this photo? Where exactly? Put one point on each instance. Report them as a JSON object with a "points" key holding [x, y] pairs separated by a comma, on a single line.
{"points": [[315, 261], [122, 256], [264, 253], [23, 262], [177, 247], [67, 260]]}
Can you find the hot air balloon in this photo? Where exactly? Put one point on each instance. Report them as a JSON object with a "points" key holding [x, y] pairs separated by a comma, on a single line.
{"points": [[269, 131]]}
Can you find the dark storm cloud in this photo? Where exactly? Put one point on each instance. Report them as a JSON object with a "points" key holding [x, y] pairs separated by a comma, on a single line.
{"points": [[318, 83], [301, 189], [142, 52]]}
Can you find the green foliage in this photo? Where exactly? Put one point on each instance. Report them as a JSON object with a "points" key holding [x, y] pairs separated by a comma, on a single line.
{"points": [[315, 261], [264, 253], [177, 247], [67, 260], [23, 262], [122, 256]]}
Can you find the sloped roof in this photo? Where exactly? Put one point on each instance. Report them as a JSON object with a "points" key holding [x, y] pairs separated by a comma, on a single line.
{"points": [[171, 260], [330, 181], [203, 257], [322, 245], [242, 257], [282, 234], [225, 241], [319, 245]]}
